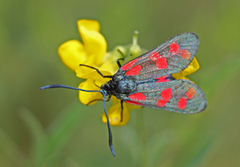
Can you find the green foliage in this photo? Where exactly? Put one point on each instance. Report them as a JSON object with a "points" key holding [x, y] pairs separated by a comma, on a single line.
{"points": [[46, 146], [34, 133]]}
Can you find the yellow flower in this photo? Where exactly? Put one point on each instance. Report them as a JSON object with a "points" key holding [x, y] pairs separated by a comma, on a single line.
{"points": [[192, 67], [74, 52], [93, 52]]}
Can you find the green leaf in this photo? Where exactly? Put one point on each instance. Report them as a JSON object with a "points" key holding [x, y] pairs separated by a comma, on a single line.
{"points": [[11, 150], [64, 126], [47, 146], [196, 161], [38, 135]]}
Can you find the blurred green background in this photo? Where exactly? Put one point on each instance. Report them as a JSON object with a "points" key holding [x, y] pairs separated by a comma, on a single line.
{"points": [[52, 128]]}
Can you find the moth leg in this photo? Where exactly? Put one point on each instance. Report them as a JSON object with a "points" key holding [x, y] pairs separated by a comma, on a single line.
{"points": [[119, 65], [121, 110], [96, 84], [104, 76], [109, 97], [93, 101]]}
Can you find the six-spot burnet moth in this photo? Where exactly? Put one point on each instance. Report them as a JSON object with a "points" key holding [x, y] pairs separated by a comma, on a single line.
{"points": [[147, 80]]}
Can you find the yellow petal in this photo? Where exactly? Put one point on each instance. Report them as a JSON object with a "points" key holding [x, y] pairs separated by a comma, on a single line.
{"points": [[88, 98], [109, 66], [192, 67], [114, 115], [94, 43], [107, 69], [89, 24], [72, 53], [115, 100]]}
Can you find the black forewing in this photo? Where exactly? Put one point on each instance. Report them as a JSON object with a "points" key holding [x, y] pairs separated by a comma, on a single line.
{"points": [[186, 41]]}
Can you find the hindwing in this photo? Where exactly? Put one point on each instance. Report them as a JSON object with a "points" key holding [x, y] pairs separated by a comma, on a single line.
{"points": [[182, 96]]}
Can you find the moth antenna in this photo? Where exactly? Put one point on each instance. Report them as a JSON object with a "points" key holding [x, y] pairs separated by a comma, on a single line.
{"points": [[119, 65], [104, 76], [67, 87], [108, 125]]}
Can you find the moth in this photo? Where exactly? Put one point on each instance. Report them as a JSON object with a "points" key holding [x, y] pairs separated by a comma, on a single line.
{"points": [[147, 80]]}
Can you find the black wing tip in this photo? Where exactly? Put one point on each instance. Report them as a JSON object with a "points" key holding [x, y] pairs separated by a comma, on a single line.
{"points": [[199, 110], [194, 34], [204, 107], [189, 33]]}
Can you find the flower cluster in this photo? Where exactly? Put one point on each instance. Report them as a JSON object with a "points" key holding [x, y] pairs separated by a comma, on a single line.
{"points": [[93, 52]]}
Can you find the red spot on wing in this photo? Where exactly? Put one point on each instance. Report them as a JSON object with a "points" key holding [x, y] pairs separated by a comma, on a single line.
{"points": [[134, 102], [174, 48], [162, 79], [166, 95], [161, 103], [134, 71], [162, 63], [190, 93], [185, 54], [182, 103], [154, 56], [137, 96], [128, 65]]}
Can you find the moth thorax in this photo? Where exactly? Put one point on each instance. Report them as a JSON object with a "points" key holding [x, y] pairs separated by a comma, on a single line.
{"points": [[125, 86]]}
